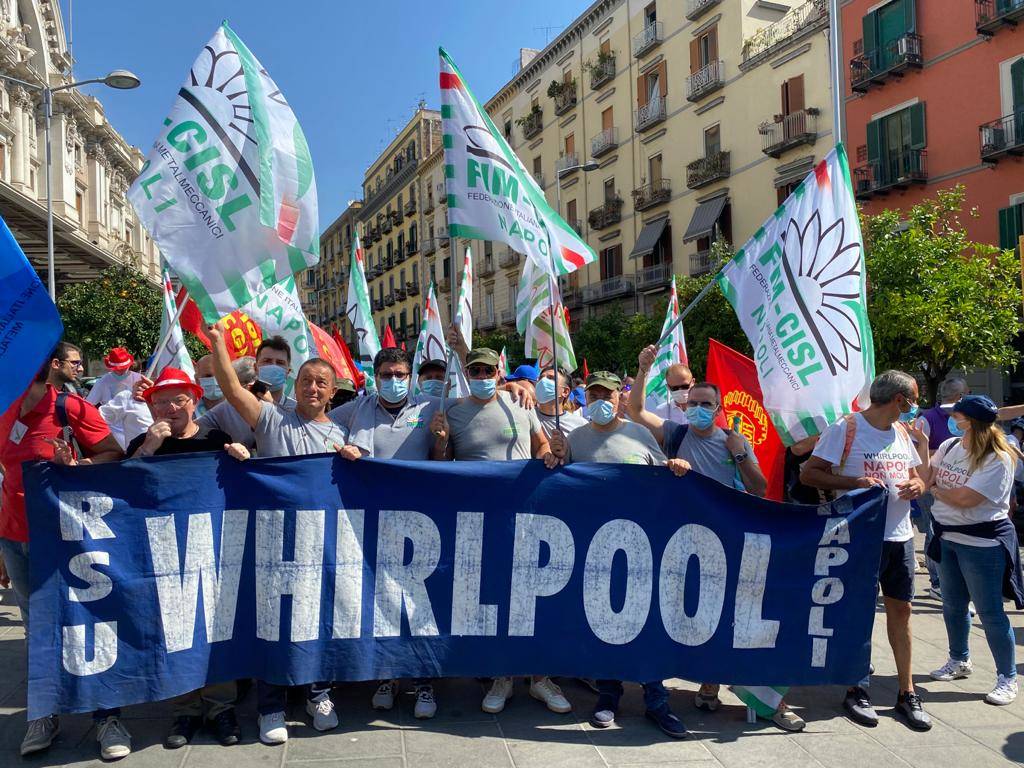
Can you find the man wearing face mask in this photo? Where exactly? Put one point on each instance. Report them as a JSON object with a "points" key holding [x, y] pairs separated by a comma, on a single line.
{"points": [[548, 396], [346, 393], [678, 379], [119, 377], [273, 364], [212, 396], [431, 377], [223, 415]]}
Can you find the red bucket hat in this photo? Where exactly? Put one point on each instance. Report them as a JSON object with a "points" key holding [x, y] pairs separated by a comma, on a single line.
{"points": [[171, 378], [119, 360]]}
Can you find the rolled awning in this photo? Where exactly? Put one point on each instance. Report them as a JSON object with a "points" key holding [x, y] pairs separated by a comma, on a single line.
{"points": [[649, 237], [704, 218]]}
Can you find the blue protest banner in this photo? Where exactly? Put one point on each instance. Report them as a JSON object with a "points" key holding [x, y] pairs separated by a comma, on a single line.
{"points": [[155, 576]]}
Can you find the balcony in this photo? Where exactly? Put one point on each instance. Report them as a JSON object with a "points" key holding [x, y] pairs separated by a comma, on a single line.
{"points": [[396, 216], [444, 285], [788, 131], [650, 114], [603, 71], [444, 242], [650, 195], [508, 317], [989, 15], [374, 271], [798, 23], [576, 225], [400, 254], [486, 324], [705, 80], [410, 206], [648, 39], [539, 178], [700, 263], [1002, 137], [378, 305], [400, 294], [606, 215], [708, 169], [412, 288], [565, 98], [566, 161], [898, 170], [385, 225], [877, 66], [429, 246], [604, 290], [389, 299], [412, 248], [487, 267], [694, 8], [428, 207], [508, 259], [653, 278], [532, 124], [604, 142]]}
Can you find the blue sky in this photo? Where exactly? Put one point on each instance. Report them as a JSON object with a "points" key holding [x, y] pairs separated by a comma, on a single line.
{"points": [[352, 72]]}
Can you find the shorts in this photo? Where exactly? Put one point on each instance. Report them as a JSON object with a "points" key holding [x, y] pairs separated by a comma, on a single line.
{"points": [[896, 570]]}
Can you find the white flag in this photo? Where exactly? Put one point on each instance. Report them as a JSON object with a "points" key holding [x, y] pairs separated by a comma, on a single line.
{"points": [[464, 314], [278, 312], [537, 293], [430, 345], [798, 288], [228, 191], [175, 353], [358, 311], [670, 352]]}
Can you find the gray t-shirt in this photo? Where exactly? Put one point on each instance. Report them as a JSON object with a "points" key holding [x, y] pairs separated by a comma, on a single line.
{"points": [[286, 433], [498, 430], [567, 421], [404, 434], [629, 443], [224, 417], [708, 455]]}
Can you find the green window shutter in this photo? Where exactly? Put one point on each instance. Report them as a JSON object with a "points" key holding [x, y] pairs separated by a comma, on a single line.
{"points": [[870, 25], [918, 138], [1017, 84], [1011, 225], [1004, 227], [910, 15], [874, 141]]}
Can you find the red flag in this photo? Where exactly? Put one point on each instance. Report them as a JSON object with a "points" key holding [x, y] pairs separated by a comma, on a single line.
{"points": [[403, 347], [586, 371], [191, 318], [389, 338], [328, 349], [357, 375], [736, 376]]}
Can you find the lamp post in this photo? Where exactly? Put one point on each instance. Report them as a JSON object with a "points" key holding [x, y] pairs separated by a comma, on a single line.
{"points": [[121, 79]]}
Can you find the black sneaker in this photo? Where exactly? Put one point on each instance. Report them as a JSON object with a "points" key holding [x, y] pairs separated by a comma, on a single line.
{"points": [[183, 729], [666, 720], [909, 707], [224, 728], [858, 706]]}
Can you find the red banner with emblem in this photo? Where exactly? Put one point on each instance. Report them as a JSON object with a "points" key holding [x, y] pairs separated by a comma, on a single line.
{"points": [[736, 376], [327, 349], [242, 332]]}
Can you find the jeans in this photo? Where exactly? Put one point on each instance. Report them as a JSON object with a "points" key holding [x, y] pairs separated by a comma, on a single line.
{"points": [[15, 554], [274, 698], [925, 526], [976, 573], [655, 693]]}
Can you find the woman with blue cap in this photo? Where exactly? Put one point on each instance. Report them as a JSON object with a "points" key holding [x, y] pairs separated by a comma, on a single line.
{"points": [[974, 541]]}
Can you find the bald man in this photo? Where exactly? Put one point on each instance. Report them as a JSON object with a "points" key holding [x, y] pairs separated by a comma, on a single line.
{"points": [[679, 379]]}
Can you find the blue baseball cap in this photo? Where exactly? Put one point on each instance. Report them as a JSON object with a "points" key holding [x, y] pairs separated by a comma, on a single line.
{"points": [[977, 407], [525, 372]]}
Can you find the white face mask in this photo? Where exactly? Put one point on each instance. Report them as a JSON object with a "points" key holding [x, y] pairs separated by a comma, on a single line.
{"points": [[680, 396]]}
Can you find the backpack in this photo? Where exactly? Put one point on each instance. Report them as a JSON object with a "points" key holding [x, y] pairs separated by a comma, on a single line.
{"points": [[851, 433], [67, 433]]}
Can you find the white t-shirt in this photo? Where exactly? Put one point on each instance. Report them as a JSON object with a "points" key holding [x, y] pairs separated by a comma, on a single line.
{"points": [[668, 411], [1018, 470], [993, 480], [888, 455], [109, 384], [126, 417]]}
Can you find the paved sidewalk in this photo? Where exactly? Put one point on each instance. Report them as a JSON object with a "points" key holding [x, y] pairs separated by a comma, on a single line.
{"points": [[967, 733]]}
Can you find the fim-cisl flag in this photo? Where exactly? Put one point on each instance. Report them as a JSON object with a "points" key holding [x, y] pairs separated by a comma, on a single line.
{"points": [[670, 352], [174, 354], [277, 311], [798, 288], [227, 191], [464, 314], [537, 295], [430, 345], [358, 310], [491, 196]]}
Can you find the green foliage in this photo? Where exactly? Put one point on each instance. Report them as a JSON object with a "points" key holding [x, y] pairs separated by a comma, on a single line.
{"points": [[613, 341], [512, 342], [936, 300]]}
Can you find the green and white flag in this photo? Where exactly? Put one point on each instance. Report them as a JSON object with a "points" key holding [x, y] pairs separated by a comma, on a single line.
{"points": [[503, 368], [798, 288], [278, 312], [536, 295], [175, 353], [227, 192], [430, 345], [491, 196], [464, 314], [358, 311], [764, 700], [670, 352]]}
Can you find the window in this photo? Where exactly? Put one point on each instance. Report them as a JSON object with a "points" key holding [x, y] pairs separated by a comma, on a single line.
{"points": [[793, 95], [401, 319], [488, 247], [605, 47], [654, 170], [79, 204], [401, 279], [508, 130], [415, 319], [895, 142], [611, 262], [652, 87], [391, 283], [416, 273], [310, 298], [570, 213], [537, 172], [781, 193], [570, 144], [703, 50], [883, 29], [712, 140], [650, 14], [512, 287], [412, 232], [607, 119], [446, 268], [609, 189], [489, 306]]}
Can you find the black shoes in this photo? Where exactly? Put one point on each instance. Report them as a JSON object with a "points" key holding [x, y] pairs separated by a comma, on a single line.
{"points": [[858, 706], [224, 728], [909, 707], [183, 730]]}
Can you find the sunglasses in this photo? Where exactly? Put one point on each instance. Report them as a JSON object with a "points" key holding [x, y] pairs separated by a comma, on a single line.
{"points": [[678, 387], [481, 370], [395, 375]]}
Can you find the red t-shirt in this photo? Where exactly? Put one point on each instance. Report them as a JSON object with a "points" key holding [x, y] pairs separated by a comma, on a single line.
{"points": [[39, 424]]}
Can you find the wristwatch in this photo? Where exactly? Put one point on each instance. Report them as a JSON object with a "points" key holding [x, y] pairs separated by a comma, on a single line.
{"points": [[739, 458]]}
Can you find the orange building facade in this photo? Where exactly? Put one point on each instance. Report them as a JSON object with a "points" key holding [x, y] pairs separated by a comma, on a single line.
{"points": [[935, 97]]}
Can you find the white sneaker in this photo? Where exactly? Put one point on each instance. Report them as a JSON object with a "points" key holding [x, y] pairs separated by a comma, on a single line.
{"points": [[115, 741], [426, 706], [273, 728], [952, 670], [322, 712], [384, 698], [547, 691], [1004, 693], [501, 691]]}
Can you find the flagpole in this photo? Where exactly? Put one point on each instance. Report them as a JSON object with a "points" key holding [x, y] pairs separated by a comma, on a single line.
{"points": [[835, 67], [689, 307], [167, 336]]}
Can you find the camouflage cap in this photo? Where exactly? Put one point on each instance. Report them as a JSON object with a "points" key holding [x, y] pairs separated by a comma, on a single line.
{"points": [[605, 379], [346, 385], [482, 356]]}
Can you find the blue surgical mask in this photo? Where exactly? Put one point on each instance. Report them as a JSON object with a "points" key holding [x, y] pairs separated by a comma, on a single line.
{"points": [[601, 411], [393, 390], [432, 387], [910, 415], [483, 389], [954, 427], [273, 376], [699, 416], [545, 390], [211, 390]]}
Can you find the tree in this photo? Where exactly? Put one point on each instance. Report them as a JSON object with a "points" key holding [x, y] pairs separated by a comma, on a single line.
{"points": [[118, 309], [936, 300], [613, 340], [511, 342]]}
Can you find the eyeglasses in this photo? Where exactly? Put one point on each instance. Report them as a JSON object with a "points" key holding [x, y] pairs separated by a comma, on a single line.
{"points": [[178, 402], [481, 370], [678, 387], [703, 404], [393, 375], [73, 363]]}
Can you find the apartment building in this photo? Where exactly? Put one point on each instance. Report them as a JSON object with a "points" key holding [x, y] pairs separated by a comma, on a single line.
{"points": [[936, 98], [701, 116], [436, 249], [323, 288]]}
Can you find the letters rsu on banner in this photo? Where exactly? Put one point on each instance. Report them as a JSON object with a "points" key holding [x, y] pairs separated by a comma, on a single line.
{"points": [[159, 575]]}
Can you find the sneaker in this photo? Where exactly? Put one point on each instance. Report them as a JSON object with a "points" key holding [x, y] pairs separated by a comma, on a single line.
{"points": [[224, 727], [788, 720], [115, 741], [935, 593], [273, 728], [971, 610], [669, 724], [545, 690], [858, 706], [1004, 693], [39, 734], [604, 712], [321, 709], [952, 670], [183, 729], [707, 697], [426, 706], [384, 698], [501, 691], [909, 707]]}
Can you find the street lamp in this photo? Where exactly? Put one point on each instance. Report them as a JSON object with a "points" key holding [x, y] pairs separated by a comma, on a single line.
{"points": [[120, 79], [585, 167]]}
